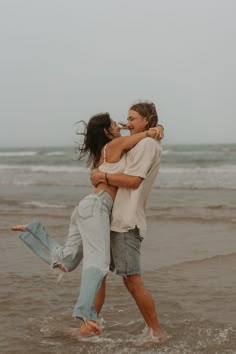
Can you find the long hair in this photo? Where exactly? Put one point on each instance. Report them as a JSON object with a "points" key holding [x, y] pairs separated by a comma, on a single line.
{"points": [[94, 138], [146, 109]]}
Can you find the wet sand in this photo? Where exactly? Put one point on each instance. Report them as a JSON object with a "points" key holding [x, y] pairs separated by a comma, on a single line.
{"points": [[189, 265]]}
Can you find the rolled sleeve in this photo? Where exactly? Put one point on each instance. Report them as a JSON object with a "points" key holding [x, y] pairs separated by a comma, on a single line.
{"points": [[142, 159]]}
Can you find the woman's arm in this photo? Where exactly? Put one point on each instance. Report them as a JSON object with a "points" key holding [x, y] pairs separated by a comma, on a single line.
{"points": [[118, 146]]}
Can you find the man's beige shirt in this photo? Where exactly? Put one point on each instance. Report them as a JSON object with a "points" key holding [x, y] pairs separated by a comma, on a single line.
{"points": [[129, 205]]}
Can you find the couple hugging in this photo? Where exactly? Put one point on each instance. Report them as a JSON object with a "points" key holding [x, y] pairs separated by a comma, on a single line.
{"points": [[113, 218]]}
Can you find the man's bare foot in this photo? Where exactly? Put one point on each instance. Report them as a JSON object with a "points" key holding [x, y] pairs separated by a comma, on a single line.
{"points": [[157, 335], [85, 330], [149, 337], [18, 227]]}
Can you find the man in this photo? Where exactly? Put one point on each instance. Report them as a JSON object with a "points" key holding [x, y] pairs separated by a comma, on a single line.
{"points": [[128, 223]]}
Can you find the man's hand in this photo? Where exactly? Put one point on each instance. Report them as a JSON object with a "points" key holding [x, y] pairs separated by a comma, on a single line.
{"points": [[96, 177]]}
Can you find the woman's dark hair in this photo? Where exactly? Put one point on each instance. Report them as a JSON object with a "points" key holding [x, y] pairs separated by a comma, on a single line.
{"points": [[146, 109], [94, 138]]}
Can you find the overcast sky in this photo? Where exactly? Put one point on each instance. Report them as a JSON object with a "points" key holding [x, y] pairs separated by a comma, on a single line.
{"points": [[64, 60]]}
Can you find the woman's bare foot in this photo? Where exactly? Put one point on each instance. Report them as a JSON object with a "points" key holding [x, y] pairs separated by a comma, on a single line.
{"points": [[18, 227], [85, 330], [93, 327], [60, 266]]}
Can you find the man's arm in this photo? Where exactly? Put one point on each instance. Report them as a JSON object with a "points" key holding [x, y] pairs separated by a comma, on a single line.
{"points": [[115, 179], [135, 172]]}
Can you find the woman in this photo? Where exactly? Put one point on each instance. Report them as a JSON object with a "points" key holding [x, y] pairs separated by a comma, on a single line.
{"points": [[106, 149]]}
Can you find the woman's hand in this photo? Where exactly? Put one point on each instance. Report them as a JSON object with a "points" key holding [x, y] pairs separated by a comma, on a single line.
{"points": [[156, 132]]}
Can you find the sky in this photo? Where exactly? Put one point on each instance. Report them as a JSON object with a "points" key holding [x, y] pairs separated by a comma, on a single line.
{"points": [[64, 60]]}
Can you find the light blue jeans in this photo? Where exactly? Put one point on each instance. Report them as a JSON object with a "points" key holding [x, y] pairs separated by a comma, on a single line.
{"points": [[49, 250], [88, 238]]}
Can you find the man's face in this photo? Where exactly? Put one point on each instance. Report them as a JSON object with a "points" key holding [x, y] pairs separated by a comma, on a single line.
{"points": [[136, 123]]}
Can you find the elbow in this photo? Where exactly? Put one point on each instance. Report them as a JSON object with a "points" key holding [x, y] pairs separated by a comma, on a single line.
{"points": [[135, 183]]}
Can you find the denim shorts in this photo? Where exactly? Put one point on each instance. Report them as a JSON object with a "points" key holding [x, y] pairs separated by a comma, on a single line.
{"points": [[125, 252]]}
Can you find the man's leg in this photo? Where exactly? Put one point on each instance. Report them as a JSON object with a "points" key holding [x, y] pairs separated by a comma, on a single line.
{"points": [[144, 302], [100, 297], [126, 254]]}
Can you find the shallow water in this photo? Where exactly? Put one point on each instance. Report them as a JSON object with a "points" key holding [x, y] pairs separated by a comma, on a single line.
{"points": [[188, 259], [35, 311], [189, 268]]}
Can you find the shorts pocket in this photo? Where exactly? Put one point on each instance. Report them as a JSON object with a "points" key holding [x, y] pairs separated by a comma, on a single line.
{"points": [[140, 238], [136, 233]]}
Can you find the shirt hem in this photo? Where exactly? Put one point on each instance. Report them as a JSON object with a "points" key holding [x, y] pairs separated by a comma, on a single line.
{"points": [[141, 231]]}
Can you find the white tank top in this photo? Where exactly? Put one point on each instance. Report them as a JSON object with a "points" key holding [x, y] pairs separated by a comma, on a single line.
{"points": [[115, 167]]}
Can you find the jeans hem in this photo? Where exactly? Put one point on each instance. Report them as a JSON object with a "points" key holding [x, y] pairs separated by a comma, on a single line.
{"points": [[125, 274], [84, 318]]}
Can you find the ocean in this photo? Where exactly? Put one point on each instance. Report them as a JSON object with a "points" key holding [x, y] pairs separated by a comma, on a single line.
{"points": [[188, 255]]}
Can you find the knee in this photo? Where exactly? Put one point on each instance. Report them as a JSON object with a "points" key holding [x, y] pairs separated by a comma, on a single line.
{"points": [[133, 283]]}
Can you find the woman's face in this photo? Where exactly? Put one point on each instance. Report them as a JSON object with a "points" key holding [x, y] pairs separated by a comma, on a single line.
{"points": [[114, 130]]}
